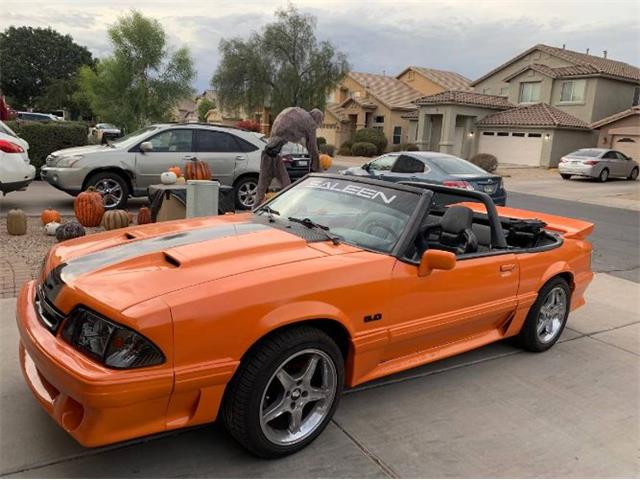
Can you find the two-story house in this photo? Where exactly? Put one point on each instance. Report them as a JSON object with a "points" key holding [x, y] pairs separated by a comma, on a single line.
{"points": [[366, 100], [530, 110]]}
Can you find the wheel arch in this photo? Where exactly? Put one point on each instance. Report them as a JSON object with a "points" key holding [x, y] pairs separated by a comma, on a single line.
{"points": [[126, 174], [558, 269], [245, 175]]}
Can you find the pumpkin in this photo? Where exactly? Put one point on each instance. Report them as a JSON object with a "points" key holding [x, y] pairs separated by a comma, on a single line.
{"points": [[50, 215], [131, 217], [69, 230], [144, 216], [181, 181], [325, 161], [115, 219], [89, 207], [51, 227], [168, 178], [16, 222], [175, 169], [197, 170]]}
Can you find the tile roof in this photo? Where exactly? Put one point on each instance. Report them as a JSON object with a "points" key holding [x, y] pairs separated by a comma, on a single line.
{"points": [[337, 111], [446, 79], [535, 115], [389, 90], [590, 64], [616, 116], [410, 115], [466, 98]]}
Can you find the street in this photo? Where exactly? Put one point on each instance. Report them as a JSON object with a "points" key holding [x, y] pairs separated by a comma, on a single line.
{"points": [[493, 412]]}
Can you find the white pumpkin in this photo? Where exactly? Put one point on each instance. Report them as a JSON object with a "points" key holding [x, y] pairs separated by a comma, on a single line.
{"points": [[168, 178], [51, 227]]}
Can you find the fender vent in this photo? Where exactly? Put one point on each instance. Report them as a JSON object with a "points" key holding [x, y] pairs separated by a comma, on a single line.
{"points": [[171, 260]]}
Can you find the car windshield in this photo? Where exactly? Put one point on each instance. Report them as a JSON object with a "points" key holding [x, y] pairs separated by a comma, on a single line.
{"points": [[586, 152], [361, 214], [105, 125], [456, 166], [134, 136]]}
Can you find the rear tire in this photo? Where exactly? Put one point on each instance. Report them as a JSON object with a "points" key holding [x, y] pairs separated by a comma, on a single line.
{"points": [[565, 176], [547, 317], [604, 175], [634, 174], [113, 187], [260, 404]]}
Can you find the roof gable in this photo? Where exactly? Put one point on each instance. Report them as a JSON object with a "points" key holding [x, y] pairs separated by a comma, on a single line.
{"points": [[589, 64], [536, 115], [390, 91], [616, 116], [473, 99], [445, 78]]}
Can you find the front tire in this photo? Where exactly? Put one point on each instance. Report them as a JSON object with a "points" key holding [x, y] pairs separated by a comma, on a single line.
{"points": [[285, 392], [245, 193], [547, 317], [604, 175], [113, 187], [634, 174]]}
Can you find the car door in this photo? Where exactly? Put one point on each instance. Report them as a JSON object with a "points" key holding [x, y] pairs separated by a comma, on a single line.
{"points": [[612, 162], [169, 147], [222, 151], [405, 168], [625, 164]]}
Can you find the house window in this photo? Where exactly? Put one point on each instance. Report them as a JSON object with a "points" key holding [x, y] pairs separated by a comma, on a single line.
{"points": [[504, 91], [534, 135], [529, 92], [503, 134], [517, 134], [379, 119], [411, 75], [572, 91], [489, 133], [397, 135], [636, 96]]}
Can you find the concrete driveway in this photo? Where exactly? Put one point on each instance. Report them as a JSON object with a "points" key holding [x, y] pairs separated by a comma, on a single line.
{"points": [[494, 412]]}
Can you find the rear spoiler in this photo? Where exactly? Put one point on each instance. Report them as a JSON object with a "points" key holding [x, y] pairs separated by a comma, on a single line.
{"points": [[568, 227]]}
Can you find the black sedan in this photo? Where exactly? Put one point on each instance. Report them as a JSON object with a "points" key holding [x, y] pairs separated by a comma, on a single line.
{"points": [[435, 168]]}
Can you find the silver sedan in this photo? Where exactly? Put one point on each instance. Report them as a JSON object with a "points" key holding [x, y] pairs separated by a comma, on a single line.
{"points": [[600, 163]]}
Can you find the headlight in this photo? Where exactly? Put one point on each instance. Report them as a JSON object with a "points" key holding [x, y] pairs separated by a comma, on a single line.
{"points": [[68, 161], [110, 343]]}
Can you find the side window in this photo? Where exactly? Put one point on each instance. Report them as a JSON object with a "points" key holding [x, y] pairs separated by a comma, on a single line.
{"points": [[217, 142], [407, 164], [179, 140], [245, 146], [621, 156], [385, 162], [610, 155]]}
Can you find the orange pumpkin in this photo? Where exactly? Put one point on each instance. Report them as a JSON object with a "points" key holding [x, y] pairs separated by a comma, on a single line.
{"points": [[144, 216], [50, 215], [175, 169], [89, 207], [325, 161], [197, 170], [131, 217]]}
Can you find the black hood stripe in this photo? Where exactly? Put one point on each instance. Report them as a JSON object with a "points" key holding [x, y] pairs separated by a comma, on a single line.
{"points": [[120, 253]]}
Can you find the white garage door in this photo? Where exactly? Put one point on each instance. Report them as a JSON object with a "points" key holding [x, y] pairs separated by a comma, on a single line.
{"points": [[519, 148], [627, 144]]}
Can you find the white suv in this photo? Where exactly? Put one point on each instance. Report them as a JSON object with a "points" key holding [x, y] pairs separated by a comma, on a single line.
{"points": [[15, 170]]}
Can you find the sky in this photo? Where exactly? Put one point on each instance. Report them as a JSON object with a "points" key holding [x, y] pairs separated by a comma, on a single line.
{"points": [[378, 36]]}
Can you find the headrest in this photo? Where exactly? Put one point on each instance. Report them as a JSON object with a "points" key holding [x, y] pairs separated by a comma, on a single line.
{"points": [[456, 219]]}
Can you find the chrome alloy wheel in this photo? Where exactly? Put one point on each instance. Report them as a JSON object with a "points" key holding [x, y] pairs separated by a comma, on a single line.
{"points": [[247, 193], [552, 315], [111, 192], [298, 397]]}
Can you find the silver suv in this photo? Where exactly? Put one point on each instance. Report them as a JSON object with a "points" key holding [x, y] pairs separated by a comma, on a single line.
{"points": [[127, 166]]}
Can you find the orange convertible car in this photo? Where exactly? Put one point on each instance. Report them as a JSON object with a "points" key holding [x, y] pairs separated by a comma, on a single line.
{"points": [[263, 318]]}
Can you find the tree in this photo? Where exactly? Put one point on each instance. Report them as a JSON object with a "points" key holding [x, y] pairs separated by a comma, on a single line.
{"points": [[142, 81], [282, 66], [32, 59], [203, 107]]}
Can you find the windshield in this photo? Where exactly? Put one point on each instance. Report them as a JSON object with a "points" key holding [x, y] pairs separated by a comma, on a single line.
{"points": [[585, 152], [456, 166], [106, 125], [134, 136], [367, 216]]}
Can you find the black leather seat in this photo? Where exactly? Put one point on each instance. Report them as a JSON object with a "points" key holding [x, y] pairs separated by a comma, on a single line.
{"points": [[454, 232]]}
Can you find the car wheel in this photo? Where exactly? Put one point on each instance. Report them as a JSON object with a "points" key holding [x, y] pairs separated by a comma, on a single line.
{"points": [[634, 174], [604, 175], [113, 187], [284, 392], [565, 176], [245, 193], [547, 317]]}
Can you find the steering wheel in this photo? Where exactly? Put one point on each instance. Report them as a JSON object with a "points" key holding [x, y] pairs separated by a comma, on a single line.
{"points": [[386, 228]]}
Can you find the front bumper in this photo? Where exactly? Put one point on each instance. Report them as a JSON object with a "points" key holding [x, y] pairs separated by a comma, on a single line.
{"points": [[94, 404], [65, 179]]}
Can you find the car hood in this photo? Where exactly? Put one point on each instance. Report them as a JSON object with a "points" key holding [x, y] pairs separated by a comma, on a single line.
{"points": [[118, 270], [67, 152]]}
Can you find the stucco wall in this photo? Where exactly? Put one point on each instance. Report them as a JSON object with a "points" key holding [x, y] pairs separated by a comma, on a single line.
{"points": [[420, 83], [625, 126], [582, 110], [611, 96], [566, 141], [546, 86]]}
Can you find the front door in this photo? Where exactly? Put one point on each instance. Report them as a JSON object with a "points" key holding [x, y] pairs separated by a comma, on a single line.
{"points": [[170, 147], [221, 151], [476, 298]]}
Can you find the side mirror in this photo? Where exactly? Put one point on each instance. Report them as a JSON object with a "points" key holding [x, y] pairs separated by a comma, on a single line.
{"points": [[436, 260], [146, 147], [366, 166]]}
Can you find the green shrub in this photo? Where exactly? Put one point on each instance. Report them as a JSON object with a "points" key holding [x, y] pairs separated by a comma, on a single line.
{"points": [[486, 161], [345, 148], [327, 148], [405, 147], [371, 135], [364, 149], [321, 141], [44, 138]]}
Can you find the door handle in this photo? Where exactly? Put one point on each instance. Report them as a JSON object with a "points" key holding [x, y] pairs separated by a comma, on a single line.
{"points": [[189, 158], [508, 267], [240, 157]]}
